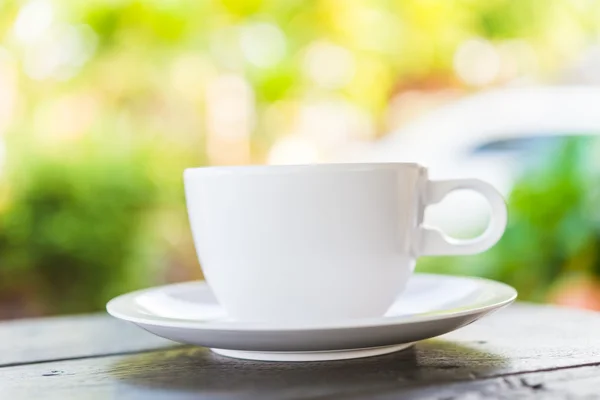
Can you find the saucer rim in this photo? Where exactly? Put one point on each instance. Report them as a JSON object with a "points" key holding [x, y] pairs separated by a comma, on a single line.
{"points": [[505, 296]]}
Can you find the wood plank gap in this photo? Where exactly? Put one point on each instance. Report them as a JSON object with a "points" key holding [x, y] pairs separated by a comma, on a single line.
{"points": [[124, 353]]}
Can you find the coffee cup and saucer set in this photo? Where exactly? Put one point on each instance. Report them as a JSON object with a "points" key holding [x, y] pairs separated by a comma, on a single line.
{"points": [[315, 263]]}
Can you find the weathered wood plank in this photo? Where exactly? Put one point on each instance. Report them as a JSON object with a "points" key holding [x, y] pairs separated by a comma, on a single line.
{"points": [[35, 340], [526, 336], [571, 383], [484, 356], [196, 373], [530, 337]]}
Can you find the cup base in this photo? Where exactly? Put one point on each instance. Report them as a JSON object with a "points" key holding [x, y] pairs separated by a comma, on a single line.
{"points": [[303, 356]]}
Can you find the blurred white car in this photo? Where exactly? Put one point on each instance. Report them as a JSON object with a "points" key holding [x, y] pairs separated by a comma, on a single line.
{"points": [[487, 136]]}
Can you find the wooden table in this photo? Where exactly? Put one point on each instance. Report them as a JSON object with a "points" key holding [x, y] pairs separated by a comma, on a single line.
{"points": [[520, 352]]}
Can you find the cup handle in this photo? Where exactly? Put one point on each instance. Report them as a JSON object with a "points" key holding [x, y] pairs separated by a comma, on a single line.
{"points": [[433, 242]]}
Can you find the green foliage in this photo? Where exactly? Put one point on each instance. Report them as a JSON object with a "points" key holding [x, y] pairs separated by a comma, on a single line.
{"points": [[554, 225], [74, 223], [79, 221]]}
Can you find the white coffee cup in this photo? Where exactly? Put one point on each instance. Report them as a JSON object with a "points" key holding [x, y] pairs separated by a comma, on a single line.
{"points": [[312, 243]]}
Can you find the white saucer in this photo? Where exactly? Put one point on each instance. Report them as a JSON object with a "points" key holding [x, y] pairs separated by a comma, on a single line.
{"points": [[431, 305]]}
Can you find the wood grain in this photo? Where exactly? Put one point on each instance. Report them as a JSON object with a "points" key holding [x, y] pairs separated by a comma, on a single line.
{"points": [[58, 338], [521, 351], [573, 383], [196, 373]]}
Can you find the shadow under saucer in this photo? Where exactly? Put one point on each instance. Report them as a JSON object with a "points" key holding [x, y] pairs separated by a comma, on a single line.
{"points": [[193, 370]]}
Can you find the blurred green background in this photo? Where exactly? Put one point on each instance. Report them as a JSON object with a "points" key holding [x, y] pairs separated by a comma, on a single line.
{"points": [[103, 103]]}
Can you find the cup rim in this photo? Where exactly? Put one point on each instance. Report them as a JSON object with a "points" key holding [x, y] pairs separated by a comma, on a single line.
{"points": [[298, 168]]}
